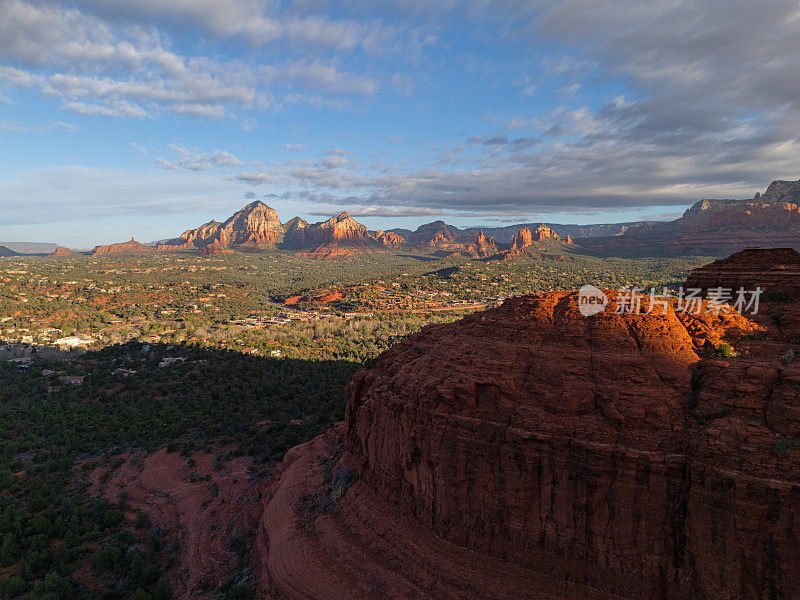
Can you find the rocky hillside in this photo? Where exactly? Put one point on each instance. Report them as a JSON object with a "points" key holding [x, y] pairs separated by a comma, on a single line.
{"points": [[436, 234], [718, 226], [4, 251], [530, 452]]}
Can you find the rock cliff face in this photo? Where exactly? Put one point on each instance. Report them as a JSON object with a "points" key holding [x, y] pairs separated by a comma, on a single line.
{"points": [[551, 455], [526, 239], [295, 233], [341, 228], [543, 232], [776, 271], [4, 252], [254, 226], [389, 238], [484, 246], [131, 247], [718, 226], [435, 234], [257, 226], [522, 240]]}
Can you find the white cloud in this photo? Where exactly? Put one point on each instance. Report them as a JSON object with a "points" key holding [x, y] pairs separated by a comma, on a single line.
{"points": [[102, 63], [223, 158], [87, 191], [17, 127], [333, 162], [254, 177], [258, 23], [317, 76], [194, 160], [18, 77], [198, 110], [12, 126], [119, 109]]}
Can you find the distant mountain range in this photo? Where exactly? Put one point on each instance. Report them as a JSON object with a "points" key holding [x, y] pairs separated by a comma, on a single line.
{"points": [[708, 227], [712, 227], [257, 226], [27, 248], [506, 234]]}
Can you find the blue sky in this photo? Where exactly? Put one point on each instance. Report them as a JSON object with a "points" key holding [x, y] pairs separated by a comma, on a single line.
{"points": [[147, 117]]}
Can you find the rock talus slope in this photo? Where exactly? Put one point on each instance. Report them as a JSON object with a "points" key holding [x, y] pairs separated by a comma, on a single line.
{"points": [[529, 452]]}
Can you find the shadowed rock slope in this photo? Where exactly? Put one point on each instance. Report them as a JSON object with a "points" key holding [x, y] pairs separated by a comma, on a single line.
{"points": [[775, 270], [529, 452]]}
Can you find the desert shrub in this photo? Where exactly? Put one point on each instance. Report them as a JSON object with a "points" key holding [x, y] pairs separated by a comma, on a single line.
{"points": [[725, 351]]}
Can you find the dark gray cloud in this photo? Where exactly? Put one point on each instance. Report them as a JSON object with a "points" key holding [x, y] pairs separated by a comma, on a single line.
{"points": [[384, 212]]}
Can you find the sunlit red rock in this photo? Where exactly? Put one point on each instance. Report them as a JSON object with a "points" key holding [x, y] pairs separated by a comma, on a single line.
{"points": [[389, 238], [531, 452], [485, 246]]}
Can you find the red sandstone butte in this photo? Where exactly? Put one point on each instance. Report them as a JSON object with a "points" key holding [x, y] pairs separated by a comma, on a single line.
{"points": [[528, 452]]}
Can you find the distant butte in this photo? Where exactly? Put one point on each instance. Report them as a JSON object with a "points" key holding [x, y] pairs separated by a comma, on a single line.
{"points": [[62, 251], [130, 247]]}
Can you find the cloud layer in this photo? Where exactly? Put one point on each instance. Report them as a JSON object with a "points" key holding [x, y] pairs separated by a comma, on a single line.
{"points": [[581, 104]]}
